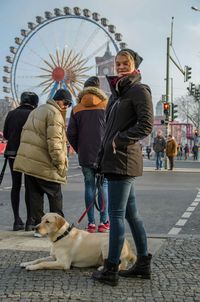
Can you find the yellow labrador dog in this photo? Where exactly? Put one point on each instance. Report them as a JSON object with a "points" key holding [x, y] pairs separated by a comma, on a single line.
{"points": [[74, 247]]}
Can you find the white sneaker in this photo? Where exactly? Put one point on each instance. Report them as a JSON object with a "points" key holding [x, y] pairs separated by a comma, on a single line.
{"points": [[37, 234]]}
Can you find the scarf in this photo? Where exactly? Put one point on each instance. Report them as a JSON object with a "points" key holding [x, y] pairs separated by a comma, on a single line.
{"points": [[115, 80]]}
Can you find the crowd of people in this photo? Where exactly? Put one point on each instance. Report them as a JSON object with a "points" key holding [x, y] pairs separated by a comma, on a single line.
{"points": [[171, 149], [106, 135]]}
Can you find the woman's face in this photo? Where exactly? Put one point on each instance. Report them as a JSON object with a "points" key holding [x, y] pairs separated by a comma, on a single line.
{"points": [[124, 65]]}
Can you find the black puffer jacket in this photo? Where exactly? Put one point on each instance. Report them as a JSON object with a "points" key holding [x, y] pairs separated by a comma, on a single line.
{"points": [[129, 119], [14, 123]]}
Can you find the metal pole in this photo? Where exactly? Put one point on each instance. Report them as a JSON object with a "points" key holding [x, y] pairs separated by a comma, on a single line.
{"points": [[167, 95], [167, 70], [172, 128]]}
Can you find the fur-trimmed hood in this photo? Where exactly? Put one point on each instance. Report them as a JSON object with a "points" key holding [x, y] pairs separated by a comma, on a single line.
{"points": [[91, 96]]}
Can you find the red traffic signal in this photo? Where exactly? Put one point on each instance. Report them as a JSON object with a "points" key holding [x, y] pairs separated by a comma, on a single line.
{"points": [[166, 108]]}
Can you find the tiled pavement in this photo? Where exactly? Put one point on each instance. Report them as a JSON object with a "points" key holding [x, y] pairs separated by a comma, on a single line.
{"points": [[175, 277]]}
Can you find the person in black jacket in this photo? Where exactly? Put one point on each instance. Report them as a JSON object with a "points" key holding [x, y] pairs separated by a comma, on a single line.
{"points": [[85, 133], [129, 119], [14, 123], [159, 145]]}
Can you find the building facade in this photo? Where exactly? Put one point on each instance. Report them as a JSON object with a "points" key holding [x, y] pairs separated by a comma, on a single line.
{"points": [[105, 65]]}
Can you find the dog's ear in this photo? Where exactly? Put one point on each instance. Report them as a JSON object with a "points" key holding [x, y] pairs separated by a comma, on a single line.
{"points": [[60, 221]]}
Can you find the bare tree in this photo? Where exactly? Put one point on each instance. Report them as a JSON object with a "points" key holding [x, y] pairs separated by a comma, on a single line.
{"points": [[189, 110]]}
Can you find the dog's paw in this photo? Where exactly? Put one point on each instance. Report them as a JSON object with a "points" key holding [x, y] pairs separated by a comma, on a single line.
{"points": [[23, 264], [30, 267]]}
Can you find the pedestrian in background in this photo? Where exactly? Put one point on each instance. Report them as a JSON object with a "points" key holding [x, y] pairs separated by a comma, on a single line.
{"points": [[129, 119], [85, 133], [195, 152], [148, 151], [179, 151], [159, 145], [14, 123], [42, 154], [186, 151], [171, 150]]}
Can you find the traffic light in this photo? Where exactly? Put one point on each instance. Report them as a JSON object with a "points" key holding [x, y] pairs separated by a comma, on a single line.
{"points": [[188, 73], [197, 94], [191, 89], [166, 109], [174, 111]]}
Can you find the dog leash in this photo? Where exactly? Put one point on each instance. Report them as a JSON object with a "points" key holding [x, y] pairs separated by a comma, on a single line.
{"points": [[3, 170], [99, 182]]}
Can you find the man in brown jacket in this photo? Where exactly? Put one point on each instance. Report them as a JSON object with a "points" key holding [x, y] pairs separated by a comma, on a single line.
{"points": [[42, 154], [171, 150]]}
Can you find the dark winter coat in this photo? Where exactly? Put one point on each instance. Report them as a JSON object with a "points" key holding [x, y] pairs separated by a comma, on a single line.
{"points": [[87, 125], [14, 123], [129, 119], [159, 144], [195, 149]]}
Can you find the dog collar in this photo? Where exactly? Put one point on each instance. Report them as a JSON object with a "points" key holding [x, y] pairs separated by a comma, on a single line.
{"points": [[65, 233]]}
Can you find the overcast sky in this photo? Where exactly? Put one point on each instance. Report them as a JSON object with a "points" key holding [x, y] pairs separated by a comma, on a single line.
{"points": [[144, 24]]}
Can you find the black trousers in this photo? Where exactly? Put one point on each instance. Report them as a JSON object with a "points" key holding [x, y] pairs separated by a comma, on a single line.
{"points": [[37, 188], [171, 162], [15, 194]]}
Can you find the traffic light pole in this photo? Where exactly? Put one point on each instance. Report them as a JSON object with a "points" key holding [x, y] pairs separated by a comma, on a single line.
{"points": [[167, 97], [172, 104], [187, 76]]}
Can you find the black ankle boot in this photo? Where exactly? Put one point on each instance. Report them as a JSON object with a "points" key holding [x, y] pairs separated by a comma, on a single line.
{"points": [[18, 225], [109, 274], [30, 225], [141, 268]]}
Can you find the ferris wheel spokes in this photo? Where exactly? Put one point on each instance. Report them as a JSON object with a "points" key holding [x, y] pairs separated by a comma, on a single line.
{"points": [[96, 51], [89, 40], [79, 29]]}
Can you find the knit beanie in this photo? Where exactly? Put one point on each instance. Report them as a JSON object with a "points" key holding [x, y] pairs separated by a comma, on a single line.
{"points": [[28, 97], [92, 82], [138, 60], [62, 94]]}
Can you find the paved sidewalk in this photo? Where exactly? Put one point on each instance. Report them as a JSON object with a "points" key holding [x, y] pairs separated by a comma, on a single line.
{"points": [[175, 266]]}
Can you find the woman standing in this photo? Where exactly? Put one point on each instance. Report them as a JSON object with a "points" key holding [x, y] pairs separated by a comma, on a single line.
{"points": [[14, 123], [129, 119]]}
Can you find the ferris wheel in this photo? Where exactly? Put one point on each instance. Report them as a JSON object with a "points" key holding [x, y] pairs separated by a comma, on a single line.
{"points": [[58, 51]]}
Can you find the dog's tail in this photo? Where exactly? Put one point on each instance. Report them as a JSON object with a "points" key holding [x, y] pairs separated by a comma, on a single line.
{"points": [[131, 254]]}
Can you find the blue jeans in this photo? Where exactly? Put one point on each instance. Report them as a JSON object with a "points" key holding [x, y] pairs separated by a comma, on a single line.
{"points": [[159, 156], [90, 192], [122, 204]]}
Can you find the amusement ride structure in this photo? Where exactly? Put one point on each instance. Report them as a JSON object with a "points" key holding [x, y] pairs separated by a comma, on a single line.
{"points": [[58, 51]]}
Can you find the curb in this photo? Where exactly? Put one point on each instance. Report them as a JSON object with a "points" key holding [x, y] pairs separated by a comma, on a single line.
{"points": [[176, 170]]}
